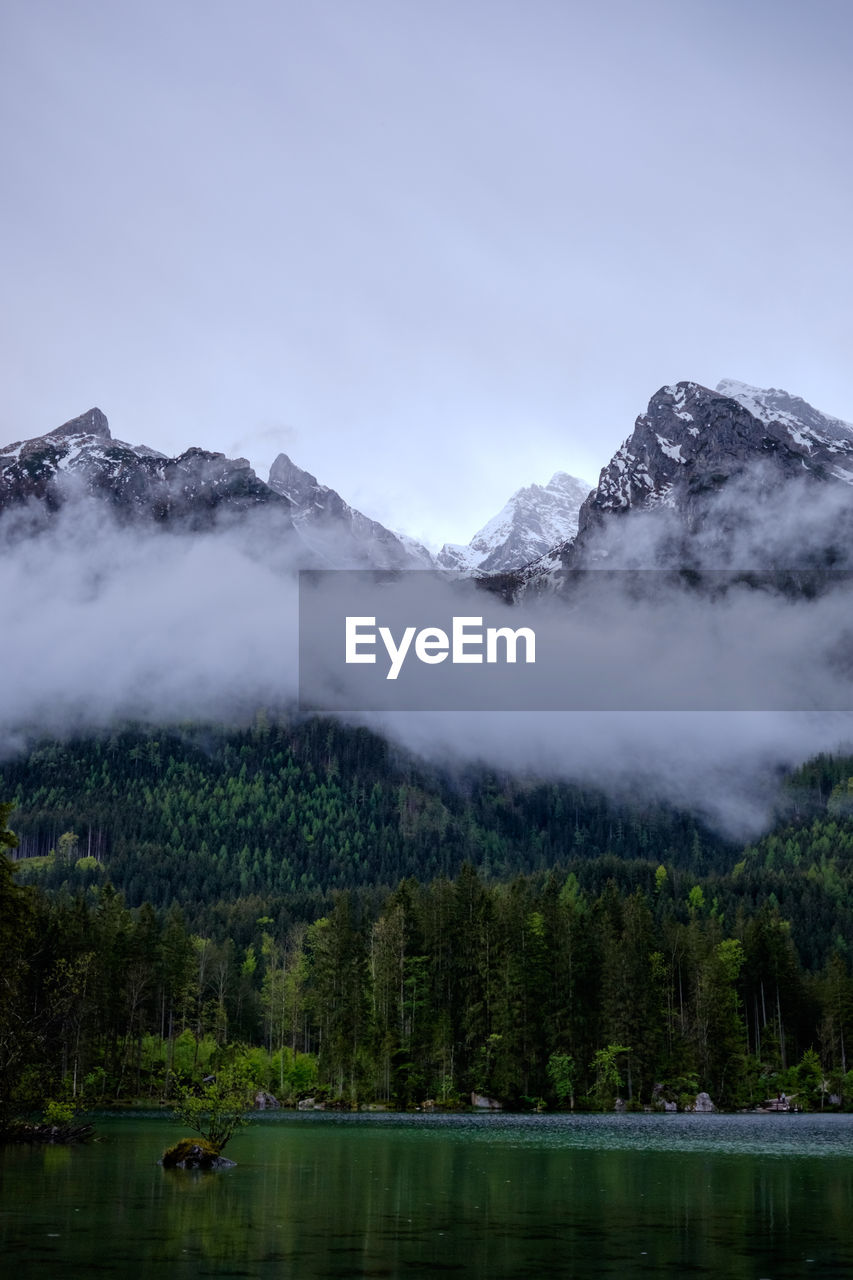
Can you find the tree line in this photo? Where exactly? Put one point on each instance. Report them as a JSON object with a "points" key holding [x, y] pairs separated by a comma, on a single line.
{"points": [[533, 991], [531, 942]]}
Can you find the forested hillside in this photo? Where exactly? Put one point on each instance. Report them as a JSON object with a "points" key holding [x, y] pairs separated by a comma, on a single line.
{"points": [[591, 952], [299, 808]]}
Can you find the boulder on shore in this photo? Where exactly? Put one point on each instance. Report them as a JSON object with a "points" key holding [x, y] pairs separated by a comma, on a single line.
{"points": [[703, 1103], [482, 1103], [194, 1153], [263, 1100]]}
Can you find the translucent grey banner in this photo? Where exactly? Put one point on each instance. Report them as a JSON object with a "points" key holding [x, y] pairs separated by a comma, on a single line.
{"points": [[597, 640]]}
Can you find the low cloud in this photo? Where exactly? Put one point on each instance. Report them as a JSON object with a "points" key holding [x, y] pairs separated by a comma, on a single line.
{"points": [[104, 624]]}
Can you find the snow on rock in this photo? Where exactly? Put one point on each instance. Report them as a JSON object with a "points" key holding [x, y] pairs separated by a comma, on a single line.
{"points": [[671, 450], [806, 426], [688, 428], [82, 459], [692, 441], [702, 480], [534, 520]]}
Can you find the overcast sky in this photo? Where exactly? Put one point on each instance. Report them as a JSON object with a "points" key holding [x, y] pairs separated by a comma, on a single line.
{"points": [[432, 250]]}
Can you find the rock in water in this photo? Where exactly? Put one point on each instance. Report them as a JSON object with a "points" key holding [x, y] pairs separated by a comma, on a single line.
{"points": [[194, 1153]]}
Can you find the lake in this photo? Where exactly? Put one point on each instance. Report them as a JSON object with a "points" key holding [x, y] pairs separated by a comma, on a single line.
{"points": [[330, 1195]]}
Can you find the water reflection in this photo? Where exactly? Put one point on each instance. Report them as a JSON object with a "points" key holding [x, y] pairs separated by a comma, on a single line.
{"points": [[326, 1195]]}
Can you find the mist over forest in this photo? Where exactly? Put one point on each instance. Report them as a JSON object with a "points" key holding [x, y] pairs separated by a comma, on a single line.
{"points": [[110, 624]]}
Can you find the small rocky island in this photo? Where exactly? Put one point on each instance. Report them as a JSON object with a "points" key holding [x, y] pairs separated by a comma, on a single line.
{"points": [[195, 1153]]}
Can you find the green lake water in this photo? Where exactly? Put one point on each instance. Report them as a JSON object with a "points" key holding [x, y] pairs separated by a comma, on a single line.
{"points": [[326, 1195]]}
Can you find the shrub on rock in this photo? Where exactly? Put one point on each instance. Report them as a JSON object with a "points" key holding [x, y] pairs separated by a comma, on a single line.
{"points": [[194, 1153]]}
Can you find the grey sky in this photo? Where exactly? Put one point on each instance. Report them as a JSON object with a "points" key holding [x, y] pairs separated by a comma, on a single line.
{"points": [[432, 250]]}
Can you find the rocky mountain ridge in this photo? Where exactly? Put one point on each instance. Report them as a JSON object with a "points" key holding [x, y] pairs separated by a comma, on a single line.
{"points": [[708, 476], [195, 490], [81, 459], [692, 440], [335, 532], [699, 469]]}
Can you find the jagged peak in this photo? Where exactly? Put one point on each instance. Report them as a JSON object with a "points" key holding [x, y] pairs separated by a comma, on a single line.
{"points": [[337, 533], [677, 397], [285, 469], [564, 480], [680, 390], [533, 519], [91, 423]]}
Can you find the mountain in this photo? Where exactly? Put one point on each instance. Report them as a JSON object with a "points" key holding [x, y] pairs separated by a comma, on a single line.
{"points": [[335, 533], [718, 477], [81, 459], [772, 406], [534, 520], [706, 477]]}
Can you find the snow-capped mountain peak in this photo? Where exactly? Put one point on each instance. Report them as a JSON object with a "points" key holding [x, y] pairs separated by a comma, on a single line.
{"points": [[535, 519], [690, 446], [689, 430]]}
